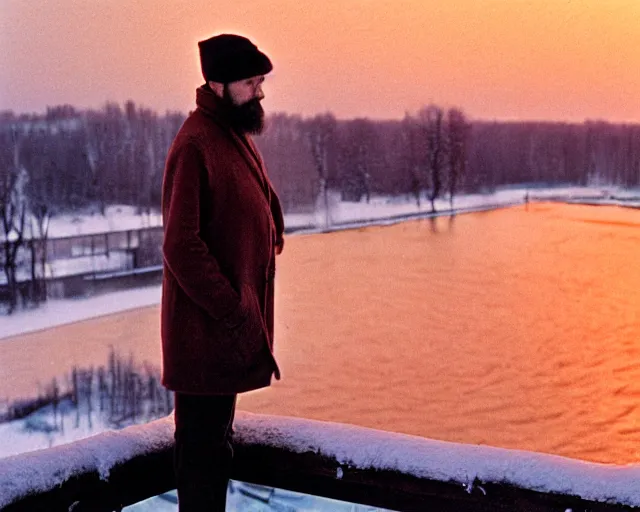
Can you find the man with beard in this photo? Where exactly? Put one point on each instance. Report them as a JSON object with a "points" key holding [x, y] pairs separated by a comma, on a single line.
{"points": [[223, 227]]}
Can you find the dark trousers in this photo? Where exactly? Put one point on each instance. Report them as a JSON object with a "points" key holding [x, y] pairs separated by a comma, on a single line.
{"points": [[203, 451]]}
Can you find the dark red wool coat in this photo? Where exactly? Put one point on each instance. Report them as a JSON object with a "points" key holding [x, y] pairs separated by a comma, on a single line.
{"points": [[222, 223]]}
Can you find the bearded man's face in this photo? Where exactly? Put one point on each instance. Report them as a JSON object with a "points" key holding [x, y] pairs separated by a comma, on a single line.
{"points": [[243, 99]]}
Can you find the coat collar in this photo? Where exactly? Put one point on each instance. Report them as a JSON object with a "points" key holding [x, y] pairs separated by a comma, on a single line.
{"points": [[211, 105]]}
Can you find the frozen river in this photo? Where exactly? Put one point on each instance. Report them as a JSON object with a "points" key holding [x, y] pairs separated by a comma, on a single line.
{"points": [[517, 328]]}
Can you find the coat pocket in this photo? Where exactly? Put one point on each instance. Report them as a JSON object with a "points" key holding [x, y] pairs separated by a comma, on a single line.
{"points": [[248, 336]]}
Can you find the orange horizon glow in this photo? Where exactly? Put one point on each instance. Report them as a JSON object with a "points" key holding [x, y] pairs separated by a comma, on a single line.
{"points": [[496, 59]]}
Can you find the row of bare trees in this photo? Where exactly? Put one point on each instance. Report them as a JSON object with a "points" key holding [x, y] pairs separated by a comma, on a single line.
{"points": [[308, 158], [70, 160], [74, 159], [437, 153], [590, 153]]}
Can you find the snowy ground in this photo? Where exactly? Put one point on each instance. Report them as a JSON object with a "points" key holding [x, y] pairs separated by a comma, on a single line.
{"points": [[79, 264], [116, 218], [121, 217], [63, 311]]}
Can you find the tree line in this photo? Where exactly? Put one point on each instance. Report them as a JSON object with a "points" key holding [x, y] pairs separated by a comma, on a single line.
{"points": [[68, 159], [71, 160]]}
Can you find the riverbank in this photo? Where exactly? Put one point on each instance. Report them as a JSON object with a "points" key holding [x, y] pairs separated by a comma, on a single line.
{"points": [[343, 215]]}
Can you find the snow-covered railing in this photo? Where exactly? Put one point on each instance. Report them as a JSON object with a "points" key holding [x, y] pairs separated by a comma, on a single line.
{"points": [[356, 464]]}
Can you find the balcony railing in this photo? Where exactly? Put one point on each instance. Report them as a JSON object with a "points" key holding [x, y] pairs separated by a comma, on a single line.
{"points": [[395, 471]]}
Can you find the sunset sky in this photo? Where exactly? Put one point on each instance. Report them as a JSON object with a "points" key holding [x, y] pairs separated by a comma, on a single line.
{"points": [[496, 59]]}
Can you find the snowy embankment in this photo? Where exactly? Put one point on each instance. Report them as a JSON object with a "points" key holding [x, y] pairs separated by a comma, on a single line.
{"points": [[64, 311], [380, 210], [120, 217], [350, 447]]}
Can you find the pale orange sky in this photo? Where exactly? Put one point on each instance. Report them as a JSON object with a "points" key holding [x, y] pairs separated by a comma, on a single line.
{"points": [[503, 59]]}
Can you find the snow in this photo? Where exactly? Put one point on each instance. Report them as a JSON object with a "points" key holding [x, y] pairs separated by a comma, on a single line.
{"points": [[46, 429], [96, 263], [44, 469], [63, 311], [353, 448], [116, 218], [384, 207], [39, 430], [363, 448], [79, 264]]}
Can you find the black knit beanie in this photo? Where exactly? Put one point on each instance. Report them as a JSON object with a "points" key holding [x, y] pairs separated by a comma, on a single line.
{"points": [[227, 58]]}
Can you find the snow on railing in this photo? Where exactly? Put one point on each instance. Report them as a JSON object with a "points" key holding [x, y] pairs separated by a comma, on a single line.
{"points": [[357, 464]]}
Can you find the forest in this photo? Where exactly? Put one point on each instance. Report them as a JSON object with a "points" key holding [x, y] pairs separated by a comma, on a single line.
{"points": [[68, 159], [71, 160]]}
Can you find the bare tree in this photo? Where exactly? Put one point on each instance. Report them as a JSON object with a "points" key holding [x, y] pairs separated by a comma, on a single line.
{"points": [[45, 158], [457, 137], [285, 148], [105, 150], [95, 142], [321, 135], [140, 160], [431, 120], [153, 164], [13, 211], [41, 213], [413, 159], [359, 150], [116, 155]]}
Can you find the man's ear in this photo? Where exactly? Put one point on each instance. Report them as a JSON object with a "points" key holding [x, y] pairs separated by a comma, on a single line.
{"points": [[217, 88]]}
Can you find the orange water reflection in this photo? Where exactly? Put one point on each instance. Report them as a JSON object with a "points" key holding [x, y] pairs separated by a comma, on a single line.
{"points": [[515, 328]]}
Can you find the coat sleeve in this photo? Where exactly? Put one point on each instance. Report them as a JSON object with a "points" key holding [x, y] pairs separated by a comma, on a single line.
{"points": [[186, 255]]}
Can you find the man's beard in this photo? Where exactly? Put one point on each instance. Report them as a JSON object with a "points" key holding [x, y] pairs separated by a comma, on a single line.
{"points": [[245, 118]]}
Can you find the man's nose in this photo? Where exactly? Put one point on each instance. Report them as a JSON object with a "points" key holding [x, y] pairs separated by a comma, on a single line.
{"points": [[259, 93]]}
